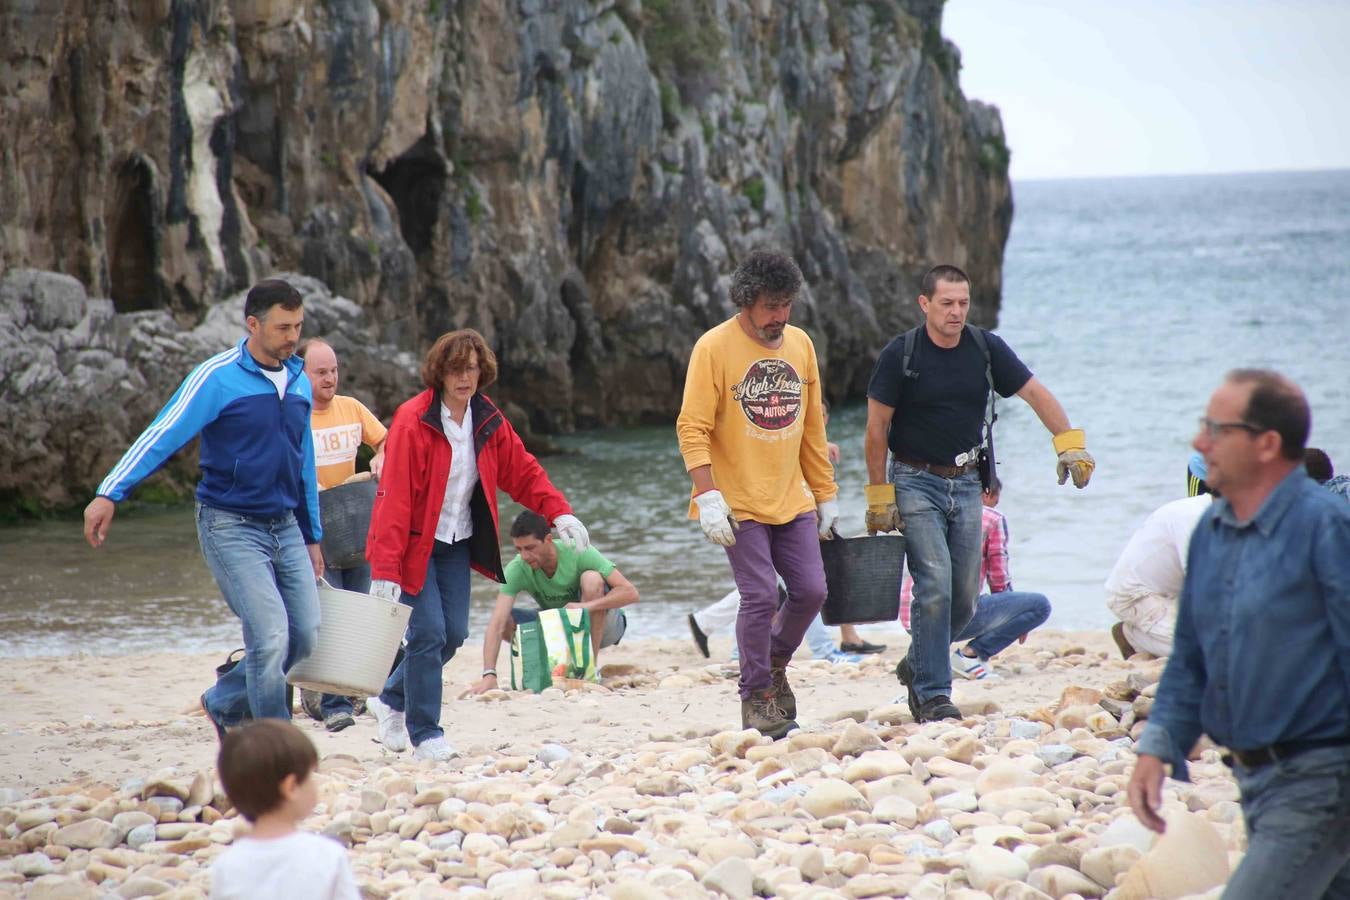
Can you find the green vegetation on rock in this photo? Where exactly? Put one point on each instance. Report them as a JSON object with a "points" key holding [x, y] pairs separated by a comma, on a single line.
{"points": [[670, 105], [753, 189], [994, 155], [935, 48], [683, 44]]}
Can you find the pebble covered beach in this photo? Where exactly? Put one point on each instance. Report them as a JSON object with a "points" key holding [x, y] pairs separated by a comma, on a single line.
{"points": [[641, 787]]}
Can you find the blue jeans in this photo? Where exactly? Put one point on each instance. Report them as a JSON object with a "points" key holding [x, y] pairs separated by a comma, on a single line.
{"points": [[1297, 813], [438, 625], [819, 640], [265, 574], [356, 579], [1002, 618], [942, 543]]}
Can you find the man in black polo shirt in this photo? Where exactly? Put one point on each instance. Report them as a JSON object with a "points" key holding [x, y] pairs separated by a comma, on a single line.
{"points": [[931, 416]]}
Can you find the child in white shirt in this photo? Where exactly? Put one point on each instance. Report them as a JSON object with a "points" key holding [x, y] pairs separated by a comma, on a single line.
{"points": [[267, 770]]}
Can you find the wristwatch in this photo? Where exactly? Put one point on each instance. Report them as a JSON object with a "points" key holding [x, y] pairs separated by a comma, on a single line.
{"points": [[492, 672]]}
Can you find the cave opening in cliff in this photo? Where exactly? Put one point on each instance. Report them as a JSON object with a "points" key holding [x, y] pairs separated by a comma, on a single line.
{"points": [[416, 182], [131, 244]]}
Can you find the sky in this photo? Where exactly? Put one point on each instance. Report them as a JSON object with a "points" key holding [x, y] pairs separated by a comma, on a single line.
{"points": [[1144, 87]]}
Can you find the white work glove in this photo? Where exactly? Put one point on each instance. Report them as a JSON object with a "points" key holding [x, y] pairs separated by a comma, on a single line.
{"points": [[715, 518], [572, 533], [386, 590], [827, 513]]}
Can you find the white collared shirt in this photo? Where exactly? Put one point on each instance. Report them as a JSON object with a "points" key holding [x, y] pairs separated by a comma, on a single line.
{"points": [[456, 523], [1154, 559]]}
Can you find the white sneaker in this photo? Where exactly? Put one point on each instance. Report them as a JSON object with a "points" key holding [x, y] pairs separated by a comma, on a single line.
{"points": [[393, 730], [971, 667], [434, 749]]}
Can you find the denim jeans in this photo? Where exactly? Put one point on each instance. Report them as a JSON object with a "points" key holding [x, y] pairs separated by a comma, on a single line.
{"points": [[438, 625], [265, 574], [763, 631], [1002, 618], [942, 544], [1297, 813], [819, 640], [357, 578]]}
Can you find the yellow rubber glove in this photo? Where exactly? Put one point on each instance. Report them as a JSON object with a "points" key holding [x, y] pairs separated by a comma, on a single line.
{"points": [[1074, 460], [882, 514]]}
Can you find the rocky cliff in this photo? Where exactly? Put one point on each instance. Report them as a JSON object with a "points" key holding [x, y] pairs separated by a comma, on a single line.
{"points": [[575, 179]]}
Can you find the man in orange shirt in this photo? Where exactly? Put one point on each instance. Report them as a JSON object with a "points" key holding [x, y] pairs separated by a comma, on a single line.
{"points": [[752, 435], [340, 426]]}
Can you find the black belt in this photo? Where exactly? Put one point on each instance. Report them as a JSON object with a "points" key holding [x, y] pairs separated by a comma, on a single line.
{"points": [[1264, 756], [935, 468]]}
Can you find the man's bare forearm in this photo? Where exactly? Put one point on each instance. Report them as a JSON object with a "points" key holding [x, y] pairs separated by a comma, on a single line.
{"points": [[626, 595], [703, 479], [1046, 406]]}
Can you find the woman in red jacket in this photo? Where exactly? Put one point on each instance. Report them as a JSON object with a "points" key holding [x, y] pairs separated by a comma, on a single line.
{"points": [[435, 516]]}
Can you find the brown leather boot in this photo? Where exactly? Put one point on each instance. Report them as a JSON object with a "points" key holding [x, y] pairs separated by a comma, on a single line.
{"points": [[762, 712], [1123, 643], [778, 683]]}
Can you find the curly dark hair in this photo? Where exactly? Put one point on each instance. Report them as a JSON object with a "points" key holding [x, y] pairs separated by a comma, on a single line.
{"points": [[451, 352], [765, 273]]}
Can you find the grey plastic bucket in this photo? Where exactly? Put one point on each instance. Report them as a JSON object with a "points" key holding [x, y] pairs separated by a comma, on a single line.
{"points": [[344, 513], [862, 578]]}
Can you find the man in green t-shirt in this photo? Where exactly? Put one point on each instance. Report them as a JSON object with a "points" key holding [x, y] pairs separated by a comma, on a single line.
{"points": [[550, 575]]}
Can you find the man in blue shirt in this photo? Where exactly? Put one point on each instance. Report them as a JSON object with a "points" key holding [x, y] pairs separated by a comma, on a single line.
{"points": [[1261, 655], [257, 501]]}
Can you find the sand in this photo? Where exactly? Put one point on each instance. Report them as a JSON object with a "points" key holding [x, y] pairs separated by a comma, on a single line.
{"points": [[114, 718]]}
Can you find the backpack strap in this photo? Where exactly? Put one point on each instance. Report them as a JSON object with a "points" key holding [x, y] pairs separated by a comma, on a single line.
{"points": [[911, 340], [977, 334], [906, 373]]}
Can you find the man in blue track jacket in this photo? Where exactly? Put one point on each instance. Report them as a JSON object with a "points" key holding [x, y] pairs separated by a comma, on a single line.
{"points": [[257, 501]]}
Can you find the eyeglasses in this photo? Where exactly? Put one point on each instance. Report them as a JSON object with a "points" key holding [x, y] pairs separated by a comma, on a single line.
{"points": [[1213, 429]]}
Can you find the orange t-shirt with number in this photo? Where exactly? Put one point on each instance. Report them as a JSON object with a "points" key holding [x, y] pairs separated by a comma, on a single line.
{"points": [[339, 431]]}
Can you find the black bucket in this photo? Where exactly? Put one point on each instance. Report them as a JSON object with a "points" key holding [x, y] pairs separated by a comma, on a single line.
{"points": [[862, 578], [344, 513]]}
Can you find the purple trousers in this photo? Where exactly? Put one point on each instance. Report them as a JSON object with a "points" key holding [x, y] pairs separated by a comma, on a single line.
{"points": [[760, 555]]}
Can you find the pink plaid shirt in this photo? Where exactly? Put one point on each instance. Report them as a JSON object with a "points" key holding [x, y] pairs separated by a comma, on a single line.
{"points": [[993, 562]]}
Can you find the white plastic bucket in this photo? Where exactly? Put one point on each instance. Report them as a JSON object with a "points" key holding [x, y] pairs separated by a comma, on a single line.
{"points": [[359, 636]]}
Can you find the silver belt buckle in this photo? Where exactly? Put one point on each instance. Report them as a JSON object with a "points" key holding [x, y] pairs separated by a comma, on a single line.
{"points": [[967, 457]]}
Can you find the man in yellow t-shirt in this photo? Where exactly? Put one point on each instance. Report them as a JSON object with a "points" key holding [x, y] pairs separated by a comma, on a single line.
{"points": [[340, 426], [752, 435]]}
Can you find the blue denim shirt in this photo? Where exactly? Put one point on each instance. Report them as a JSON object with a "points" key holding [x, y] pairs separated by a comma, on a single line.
{"points": [[1261, 653]]}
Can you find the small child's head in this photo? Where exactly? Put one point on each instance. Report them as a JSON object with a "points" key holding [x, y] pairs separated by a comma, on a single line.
{"points": [[990, 497], [266, 768]]}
